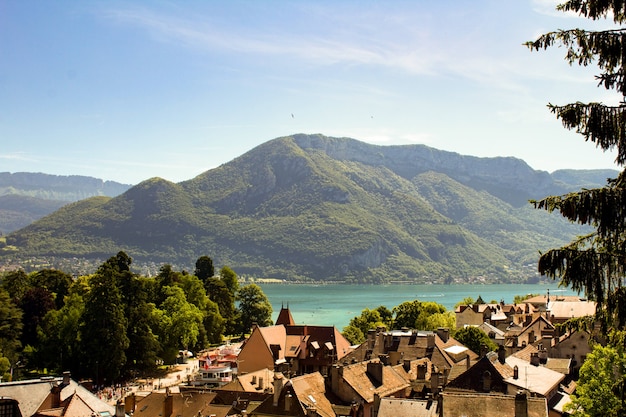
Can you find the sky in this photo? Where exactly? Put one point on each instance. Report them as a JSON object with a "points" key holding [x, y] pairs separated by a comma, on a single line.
{"points": [[130, 90]]}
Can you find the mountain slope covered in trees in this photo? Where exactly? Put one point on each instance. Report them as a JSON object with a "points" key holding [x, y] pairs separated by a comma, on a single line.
{"points": [[314, 207]]}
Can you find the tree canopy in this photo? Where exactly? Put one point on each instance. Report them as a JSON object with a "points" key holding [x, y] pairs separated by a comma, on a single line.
{"points": [[594, 264], [600, 387], [114, 324]]}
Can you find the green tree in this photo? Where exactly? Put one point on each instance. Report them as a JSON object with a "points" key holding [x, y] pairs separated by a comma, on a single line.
{"points": [[600, 388], [35, 304], [369, 319], [594, 263], [103, 327], [254, 307], [406, 314], [10, 327], [446, 319], [16, 283], [59, 347], [467, 301], [204, 268], [55, 281], [518, 299], [229, 277], [473, 338], [219, 293], [139, 310], [428, 309], [180, 323], [213, 322], [353, 334]]}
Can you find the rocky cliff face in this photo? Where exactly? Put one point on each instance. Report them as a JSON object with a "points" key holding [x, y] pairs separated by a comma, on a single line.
{"points": [[508, 178]]}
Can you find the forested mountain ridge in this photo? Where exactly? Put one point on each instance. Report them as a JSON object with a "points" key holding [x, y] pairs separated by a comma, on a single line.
{"points": [[315, 207], [28, 196]]}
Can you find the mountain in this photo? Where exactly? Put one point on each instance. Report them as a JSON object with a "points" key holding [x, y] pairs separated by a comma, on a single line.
{"points": [[313, 207], [26, 197]]}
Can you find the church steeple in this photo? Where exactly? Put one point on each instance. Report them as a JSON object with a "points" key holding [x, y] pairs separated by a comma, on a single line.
{"points": [[284, 317]]}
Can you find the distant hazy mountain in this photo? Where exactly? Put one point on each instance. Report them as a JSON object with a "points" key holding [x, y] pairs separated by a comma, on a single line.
{"points": [[315, 207], [26, 196]]}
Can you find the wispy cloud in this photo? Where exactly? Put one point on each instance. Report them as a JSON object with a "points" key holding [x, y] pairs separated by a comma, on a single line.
{"points": [[413, 54], [17, 156]]}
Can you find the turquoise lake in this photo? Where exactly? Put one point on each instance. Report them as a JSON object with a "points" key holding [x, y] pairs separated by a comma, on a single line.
{"points": [[335, 305]]}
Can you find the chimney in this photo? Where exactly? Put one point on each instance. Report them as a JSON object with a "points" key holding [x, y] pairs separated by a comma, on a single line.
{"points": [[421, 371], [521, 404], [515, 372], [483, 349], [430, 338], [443, 333], [371, 339], [501, 354], [66, 378], [395, 357], [543, 354], [129, 403], [288, 399], [56, 396], [375, 370], [407, 365], [253, 380], [534, 359], [261, 383], [278, 387], [168, 405], [119, 409], [435, 382]]}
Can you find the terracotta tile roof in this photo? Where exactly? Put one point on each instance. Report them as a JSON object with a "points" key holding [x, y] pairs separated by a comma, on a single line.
{"points": [[568, 309], [275, 335], [249, 382], [536, 379], [285, 317], [34, 395], [295, 346], [366, 386], [185, 403], [310, 390], [561, 365], [526, 353], [539, 299], [394, 407], [489, 405]]}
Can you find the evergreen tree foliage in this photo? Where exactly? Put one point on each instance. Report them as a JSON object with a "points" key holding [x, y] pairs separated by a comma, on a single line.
{"points": [[204, 268], [59, 341], [219, 293], [103, 326], [594, 264], [10, 328]]}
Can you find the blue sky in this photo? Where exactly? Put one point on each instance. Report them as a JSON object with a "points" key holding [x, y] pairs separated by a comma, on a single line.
{"points": [[126, 91]]}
